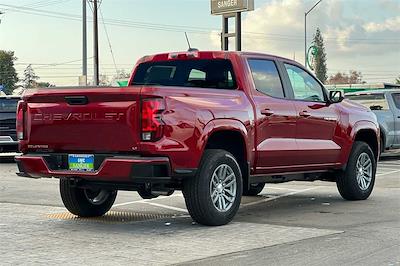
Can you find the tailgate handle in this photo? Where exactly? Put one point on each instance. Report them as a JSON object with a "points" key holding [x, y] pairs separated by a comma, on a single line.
{"points": [[76, 100]]}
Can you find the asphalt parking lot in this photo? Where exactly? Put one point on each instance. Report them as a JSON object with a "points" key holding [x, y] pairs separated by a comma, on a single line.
{"points": [[292, 223]]}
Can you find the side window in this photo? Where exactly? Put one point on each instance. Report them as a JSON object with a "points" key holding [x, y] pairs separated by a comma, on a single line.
{"points": [[396, 99], [305, 87], [266, 77]]}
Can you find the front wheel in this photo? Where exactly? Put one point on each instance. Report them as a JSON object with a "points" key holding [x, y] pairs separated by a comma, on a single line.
{"points": [[357, 181], [213, 196], [85, 202]]}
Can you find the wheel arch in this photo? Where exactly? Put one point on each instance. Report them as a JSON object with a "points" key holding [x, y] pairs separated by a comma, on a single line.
{"points": [[369, 134], [232, 136]]}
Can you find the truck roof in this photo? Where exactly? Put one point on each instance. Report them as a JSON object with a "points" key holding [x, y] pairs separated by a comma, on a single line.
{"points": [[209, 55]]}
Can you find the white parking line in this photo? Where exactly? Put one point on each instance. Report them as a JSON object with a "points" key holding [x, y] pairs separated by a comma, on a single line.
{"points": [[166, 207], [144, 200], [388, 173], [386, 168], [277, 197], [283, 188], [388, 164]]}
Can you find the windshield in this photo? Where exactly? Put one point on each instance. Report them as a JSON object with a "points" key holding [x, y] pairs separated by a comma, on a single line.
{"points": [[376, 101], [8, 105], [216, 73]]}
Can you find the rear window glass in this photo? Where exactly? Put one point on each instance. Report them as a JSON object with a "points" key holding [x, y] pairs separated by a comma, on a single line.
{"points": [[8, 105], [376, 101], [396, 99], [216, 74]]}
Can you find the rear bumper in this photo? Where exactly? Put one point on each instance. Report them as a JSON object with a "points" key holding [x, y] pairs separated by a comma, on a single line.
{"points": [[132, 169], [8, 145]]}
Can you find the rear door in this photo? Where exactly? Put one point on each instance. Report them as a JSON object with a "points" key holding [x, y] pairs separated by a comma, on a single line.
{"points": [[275, 118], [316, 122]]}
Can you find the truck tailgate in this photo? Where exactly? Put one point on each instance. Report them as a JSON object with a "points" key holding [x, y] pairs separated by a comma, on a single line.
{"points": [[102, 119]]}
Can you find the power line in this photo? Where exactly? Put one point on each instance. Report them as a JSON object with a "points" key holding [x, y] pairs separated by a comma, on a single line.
{"points": [[191, 29], [108, 39]]}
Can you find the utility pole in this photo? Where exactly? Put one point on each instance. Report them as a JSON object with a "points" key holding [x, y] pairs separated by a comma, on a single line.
{"points": [[84, 44], [238, 21], [95, 45], [305, 31]]}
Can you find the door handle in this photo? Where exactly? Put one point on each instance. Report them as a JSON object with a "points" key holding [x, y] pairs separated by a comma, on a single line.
{"points": [[76, 100], [267, 112], [304, 114]]}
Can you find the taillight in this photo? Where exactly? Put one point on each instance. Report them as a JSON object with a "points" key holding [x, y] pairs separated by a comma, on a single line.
{"points": [[21, 108], [152, 123]]}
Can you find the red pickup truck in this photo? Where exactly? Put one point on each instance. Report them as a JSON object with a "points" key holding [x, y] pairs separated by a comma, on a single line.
{"points": [[216, 125]]}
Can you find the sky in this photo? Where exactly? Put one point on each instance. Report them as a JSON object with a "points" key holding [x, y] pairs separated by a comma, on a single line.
{"points": [[362, 35]]}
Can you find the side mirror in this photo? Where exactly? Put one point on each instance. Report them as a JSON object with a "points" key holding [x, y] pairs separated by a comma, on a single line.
{"points": [[336, 96]]}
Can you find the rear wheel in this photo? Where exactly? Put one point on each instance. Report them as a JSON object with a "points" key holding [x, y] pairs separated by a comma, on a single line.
{"points": [[85, 202], [254, 189], [357, 181], [213, 196]]}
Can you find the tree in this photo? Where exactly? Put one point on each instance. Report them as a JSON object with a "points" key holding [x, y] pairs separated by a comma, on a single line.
{"points": [[8, 75], [44, 85], [397, 81], [30, 77], [121, 74], [104, 81], [354, 77], [320, 57]]}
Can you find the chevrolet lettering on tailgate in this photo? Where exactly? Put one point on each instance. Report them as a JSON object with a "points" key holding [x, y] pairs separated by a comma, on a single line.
{"points": [[78, 116]]}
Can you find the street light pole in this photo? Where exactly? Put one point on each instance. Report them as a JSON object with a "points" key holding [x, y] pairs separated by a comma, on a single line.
{"points": [[84, 43], [305, 31]]}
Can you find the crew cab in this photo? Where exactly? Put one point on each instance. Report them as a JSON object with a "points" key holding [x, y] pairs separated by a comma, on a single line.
{"points": [[216, 125], [386, 106]]}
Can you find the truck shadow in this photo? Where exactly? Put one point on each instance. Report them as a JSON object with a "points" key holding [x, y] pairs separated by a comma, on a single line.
{"points": [[295, 209]]}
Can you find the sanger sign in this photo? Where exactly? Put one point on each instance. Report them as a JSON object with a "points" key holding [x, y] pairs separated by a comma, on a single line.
{"points": [[219, 7]]}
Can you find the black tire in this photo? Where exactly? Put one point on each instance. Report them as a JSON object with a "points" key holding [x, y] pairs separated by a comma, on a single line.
{"points": [[82, 202], [197, 190], [254, 189], [347, 184], [382, 144]]}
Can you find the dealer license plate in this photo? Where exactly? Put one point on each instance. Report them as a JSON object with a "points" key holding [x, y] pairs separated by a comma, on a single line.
{"points": [[81, 162]]}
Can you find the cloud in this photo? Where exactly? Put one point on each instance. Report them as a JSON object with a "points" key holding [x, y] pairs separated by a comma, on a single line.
{"points": [[390, 24], [390, 5], [278, 27]]}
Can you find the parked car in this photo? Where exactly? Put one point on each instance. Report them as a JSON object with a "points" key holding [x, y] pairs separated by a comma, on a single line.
{"points": [[216, 125], [386, 106], [8, 133]]}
